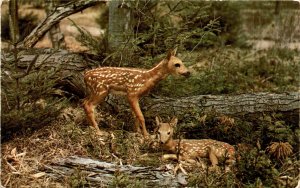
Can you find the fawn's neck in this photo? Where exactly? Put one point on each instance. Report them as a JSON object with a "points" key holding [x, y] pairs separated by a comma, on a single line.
{"points": [[159, 72]]}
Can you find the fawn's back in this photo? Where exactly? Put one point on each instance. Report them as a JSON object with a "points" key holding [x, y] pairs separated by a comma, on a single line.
{"points": [[115, 79], [202, 147]]}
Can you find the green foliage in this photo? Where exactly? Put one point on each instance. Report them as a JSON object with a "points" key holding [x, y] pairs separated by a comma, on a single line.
{"points": [[160, 26], [255, 164], [212, 179], [103, 18], [96, 45], [123, 180], [235, 71], [273, 128], [230, 22], [259, 162], [27, 96], [173, 24], [77, 179]]}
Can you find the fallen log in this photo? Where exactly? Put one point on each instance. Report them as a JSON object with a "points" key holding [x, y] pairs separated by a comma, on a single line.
{"points": [[224, 104], [48, 58], [100, 173]]}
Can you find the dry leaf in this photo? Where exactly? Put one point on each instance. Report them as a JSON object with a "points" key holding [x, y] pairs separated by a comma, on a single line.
{"points": [[13, 152], [38, 175]]}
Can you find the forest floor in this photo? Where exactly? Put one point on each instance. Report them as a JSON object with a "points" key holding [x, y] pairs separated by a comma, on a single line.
{"points": [[27, 159]]}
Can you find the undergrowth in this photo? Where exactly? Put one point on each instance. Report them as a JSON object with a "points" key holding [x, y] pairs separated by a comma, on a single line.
{"points": [[28, 97], [234, 71]]}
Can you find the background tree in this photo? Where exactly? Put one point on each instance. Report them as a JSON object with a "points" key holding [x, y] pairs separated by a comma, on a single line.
{"points": [[13, 21], [55, 34], [119, 24]]}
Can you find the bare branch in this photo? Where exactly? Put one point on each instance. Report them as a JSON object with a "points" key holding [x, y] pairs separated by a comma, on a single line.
{"points": [[60, 13]]}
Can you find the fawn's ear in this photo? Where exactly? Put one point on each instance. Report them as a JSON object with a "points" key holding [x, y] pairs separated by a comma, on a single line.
{"points": [[158, 120], [171, 53], [173, 121]]}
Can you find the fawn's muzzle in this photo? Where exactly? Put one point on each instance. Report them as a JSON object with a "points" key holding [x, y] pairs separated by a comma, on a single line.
{"points": [[186, 74]]}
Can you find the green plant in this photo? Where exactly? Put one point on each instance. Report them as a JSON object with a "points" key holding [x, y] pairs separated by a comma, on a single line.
{"points": [[78, 179], [267, 146], [124, 180], [212, 179], [173, 24], [96, 45], [28, 95], [218, 71]]}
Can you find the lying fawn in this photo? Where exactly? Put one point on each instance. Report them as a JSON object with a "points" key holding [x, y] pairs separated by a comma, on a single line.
{"points": [[131, 82], [190, 150]]}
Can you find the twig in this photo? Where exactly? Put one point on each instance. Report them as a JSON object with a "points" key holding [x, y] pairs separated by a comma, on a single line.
{"points": [[54, 170]]}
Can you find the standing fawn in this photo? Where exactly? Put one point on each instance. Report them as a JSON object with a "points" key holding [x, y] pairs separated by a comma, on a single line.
{"points": [[131, 82], [190, 150]]}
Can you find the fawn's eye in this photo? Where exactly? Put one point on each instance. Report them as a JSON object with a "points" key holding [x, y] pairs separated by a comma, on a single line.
{"points": [[177, 65], [169, 133]]}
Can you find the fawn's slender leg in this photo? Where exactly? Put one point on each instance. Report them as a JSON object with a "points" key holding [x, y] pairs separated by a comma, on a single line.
{"points": [[137, 127], [134, 103], [89, 106], [212, 157]]}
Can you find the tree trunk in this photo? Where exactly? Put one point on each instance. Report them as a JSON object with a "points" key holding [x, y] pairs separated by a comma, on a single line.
{"points": [[120, 31], [61, 12], [277, 8], [119, 24], [55, 34], [13, 21]]}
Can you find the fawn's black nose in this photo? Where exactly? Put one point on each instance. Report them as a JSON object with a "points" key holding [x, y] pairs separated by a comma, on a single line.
{"points": [[187, 74]]}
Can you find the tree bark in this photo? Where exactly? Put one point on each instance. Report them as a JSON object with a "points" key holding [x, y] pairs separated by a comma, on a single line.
{"points": [[53, 19], [224, 104], [13, 21], [119, 24], [56, 36]]}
